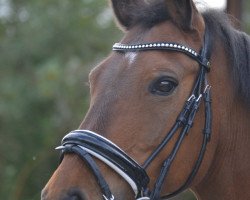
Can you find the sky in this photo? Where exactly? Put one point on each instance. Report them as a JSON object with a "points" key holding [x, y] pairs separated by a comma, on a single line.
{"points": [[221, 4]]}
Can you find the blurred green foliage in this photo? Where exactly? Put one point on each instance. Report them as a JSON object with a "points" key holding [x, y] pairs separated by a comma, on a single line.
{"points": [[246, 16], [47, 49]]}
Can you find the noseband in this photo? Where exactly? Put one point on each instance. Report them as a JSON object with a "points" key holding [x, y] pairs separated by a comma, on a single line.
{"points": [[87, 144]]}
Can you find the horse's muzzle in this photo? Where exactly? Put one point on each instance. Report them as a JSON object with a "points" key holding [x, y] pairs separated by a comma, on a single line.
{"points": [[72, 194]]}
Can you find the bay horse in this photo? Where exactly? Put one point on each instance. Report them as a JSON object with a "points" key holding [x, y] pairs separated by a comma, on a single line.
{"points": [[169, 110]]}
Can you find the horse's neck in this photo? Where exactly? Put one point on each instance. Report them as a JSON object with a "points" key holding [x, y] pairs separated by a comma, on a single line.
{"points": [[229, 175]]}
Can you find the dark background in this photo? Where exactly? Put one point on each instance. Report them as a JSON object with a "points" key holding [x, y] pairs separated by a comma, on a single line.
{"points": [[47, 49]]}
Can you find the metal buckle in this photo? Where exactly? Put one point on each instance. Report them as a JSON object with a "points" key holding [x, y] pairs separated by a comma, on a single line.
{"points": [[207, 88], [105, 198], [143, 198]]}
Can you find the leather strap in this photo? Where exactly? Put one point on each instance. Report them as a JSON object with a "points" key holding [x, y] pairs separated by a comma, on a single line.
{"points": [[112, 155], [84, 155]]}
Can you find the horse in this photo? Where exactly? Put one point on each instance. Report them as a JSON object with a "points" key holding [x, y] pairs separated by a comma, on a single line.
{"points": [[169, 110]]}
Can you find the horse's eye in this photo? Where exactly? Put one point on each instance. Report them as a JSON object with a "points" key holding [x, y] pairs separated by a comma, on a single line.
{"points": [[163, 86]]}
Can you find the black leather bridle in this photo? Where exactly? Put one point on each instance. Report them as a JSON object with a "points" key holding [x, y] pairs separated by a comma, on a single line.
{"points": [[88, 144]]}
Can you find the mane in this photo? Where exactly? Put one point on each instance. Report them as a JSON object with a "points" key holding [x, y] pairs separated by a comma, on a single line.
{"points": [[237, 47]]}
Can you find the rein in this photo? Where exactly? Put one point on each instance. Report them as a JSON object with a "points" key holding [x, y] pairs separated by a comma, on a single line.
{"points": [[87, 144]]}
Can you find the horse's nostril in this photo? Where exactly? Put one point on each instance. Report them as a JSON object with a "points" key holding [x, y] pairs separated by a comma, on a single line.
{"points": [[76, 197], [75, 194], [44, 194]]}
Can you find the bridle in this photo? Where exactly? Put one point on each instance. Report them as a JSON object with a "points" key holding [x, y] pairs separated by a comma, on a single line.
{"points": [[87, 144]]}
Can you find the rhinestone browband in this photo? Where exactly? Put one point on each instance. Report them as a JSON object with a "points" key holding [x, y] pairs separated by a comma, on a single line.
{"points": [[163, 46], [148, 46]]}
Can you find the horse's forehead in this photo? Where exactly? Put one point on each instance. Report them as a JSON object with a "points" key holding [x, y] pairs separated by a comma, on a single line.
{"points": [[117, 70], [160, 32], [131, 57], [164, 32]]}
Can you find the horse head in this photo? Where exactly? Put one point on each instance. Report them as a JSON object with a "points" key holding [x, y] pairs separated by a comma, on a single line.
{"points": [[149, 120]]}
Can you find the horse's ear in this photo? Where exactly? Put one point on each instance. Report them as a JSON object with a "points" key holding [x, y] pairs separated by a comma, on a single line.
{"points": [[182, 12], [125, 10]]}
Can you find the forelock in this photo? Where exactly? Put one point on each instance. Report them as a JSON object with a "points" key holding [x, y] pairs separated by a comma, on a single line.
{"points": [[153, 14]]}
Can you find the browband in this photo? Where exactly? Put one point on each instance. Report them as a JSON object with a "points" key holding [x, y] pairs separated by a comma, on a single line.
{"points": [[164, 46]]}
